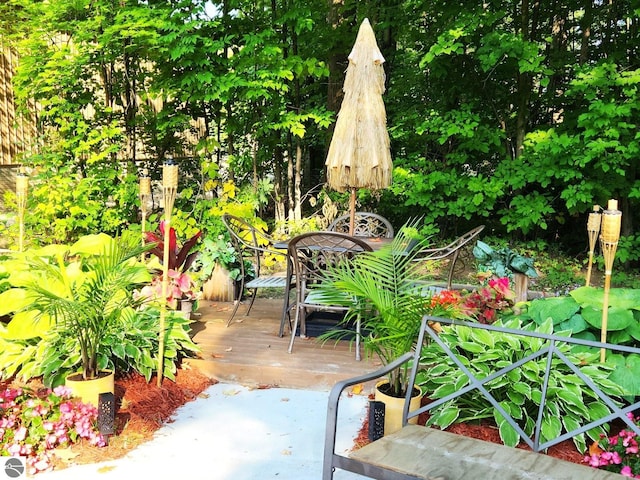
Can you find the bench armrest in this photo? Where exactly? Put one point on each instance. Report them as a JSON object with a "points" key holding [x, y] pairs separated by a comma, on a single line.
{"points": [[334, 398]]}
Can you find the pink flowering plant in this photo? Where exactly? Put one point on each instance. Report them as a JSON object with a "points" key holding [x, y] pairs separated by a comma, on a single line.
{"points": [[486, 303], [618, 453], [180, 287], [33, 424]]}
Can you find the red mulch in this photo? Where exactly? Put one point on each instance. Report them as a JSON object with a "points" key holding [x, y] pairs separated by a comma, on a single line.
{"points": [[144, 406]]}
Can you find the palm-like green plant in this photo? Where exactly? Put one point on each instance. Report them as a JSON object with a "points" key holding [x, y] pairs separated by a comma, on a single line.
{"points": [[386, 290], [83, 288]]}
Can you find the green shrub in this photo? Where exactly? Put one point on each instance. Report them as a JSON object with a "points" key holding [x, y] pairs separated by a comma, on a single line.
{"points": [[580, 314]]}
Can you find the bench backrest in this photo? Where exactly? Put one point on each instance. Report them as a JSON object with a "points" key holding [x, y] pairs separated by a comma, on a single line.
{"points": [[552, 347]]}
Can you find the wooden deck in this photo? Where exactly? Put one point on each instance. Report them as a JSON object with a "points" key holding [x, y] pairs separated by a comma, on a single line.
{"points": [[249, 351]]}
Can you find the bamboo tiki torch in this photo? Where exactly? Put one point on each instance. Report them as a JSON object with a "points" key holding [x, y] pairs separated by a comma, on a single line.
{"points": [[144, 194], [593, 229], [169, 189], [610, 234], [22, 186]]}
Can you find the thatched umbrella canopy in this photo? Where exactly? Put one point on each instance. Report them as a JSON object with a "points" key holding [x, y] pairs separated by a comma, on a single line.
{"points": [[359, 154]]}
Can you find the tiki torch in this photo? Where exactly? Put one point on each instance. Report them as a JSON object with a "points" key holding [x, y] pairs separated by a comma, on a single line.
{"points": [[609, 236], [169, 190], [22, 186], [144, 195], [593, 229]]}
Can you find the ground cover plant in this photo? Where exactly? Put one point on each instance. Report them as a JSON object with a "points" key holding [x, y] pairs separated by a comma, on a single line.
{"points": [[141, 409], [34, 423], [619, 453]]}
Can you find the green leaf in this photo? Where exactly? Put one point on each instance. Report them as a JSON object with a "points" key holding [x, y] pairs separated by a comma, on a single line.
{"points": [[617, 318], [597, 410], [557, 308], [551, 427], [482, 337], [569, 397], [523, 388], [508, 434], [626, 372], [26, 325], [570, 424], [471, 347], [575, 324], [447, 416], [444, 390]]}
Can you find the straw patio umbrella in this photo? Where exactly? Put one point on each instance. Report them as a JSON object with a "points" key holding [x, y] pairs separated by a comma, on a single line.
{"points": [[359, 155]]}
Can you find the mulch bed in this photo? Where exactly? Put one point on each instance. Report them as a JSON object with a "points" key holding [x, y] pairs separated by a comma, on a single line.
{"points": [[141, 409]]}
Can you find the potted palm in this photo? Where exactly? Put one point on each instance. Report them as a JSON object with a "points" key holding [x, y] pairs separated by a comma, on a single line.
{"points": [[386, 289], [83, 289]]}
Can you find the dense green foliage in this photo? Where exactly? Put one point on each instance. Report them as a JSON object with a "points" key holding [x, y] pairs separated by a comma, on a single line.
{"points": [[518, 115]]}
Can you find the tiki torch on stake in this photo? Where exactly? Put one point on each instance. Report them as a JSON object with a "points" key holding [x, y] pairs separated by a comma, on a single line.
{"points": [[144, 194], [22, 186], [611, 221], [169, 189], [593, 229]]}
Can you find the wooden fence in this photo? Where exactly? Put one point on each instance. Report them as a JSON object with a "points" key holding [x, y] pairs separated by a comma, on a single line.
{"points": [[16, 132]]}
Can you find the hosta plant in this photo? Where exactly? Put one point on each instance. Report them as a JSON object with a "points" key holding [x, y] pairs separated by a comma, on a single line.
{"points": [[580, 314], [83, 289], [569, 403], [131, 345]]}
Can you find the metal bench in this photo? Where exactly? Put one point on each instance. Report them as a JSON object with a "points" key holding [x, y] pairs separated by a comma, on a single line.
{"points": [[419, 452]]}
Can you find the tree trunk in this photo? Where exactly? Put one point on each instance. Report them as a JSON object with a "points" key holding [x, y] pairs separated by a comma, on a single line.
{"points": [[585, 26], [297, 209]]}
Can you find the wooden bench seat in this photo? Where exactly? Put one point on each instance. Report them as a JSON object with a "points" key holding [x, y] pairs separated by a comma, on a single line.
{"points": [[419, 452], [427, 453]]}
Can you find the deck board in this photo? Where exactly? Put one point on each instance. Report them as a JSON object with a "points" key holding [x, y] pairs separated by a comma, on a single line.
{"points": [[250, 352]]}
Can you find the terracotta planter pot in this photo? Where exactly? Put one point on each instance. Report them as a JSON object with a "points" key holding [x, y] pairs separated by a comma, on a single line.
{"points": [[393, 408], [88, 391]]}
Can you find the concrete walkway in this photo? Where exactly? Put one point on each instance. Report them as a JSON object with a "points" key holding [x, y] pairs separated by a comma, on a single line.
{"points": [[236, 433]]}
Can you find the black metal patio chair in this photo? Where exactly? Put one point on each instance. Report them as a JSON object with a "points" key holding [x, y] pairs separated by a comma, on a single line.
{"points": [[367, 224], [310, 254], [450, 252], [253, 244]]}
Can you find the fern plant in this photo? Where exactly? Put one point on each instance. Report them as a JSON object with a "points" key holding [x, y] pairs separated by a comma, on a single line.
{"points": [[386, 289]]}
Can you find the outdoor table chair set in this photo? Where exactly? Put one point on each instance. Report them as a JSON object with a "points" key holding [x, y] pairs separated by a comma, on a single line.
{"points": [[309, 254]]}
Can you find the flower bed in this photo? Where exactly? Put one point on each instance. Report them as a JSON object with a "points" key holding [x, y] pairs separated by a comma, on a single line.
{"points": [[33, 423]]}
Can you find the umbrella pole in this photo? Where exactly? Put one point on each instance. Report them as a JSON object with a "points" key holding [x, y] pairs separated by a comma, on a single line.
{"points": [[352, 211]]}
